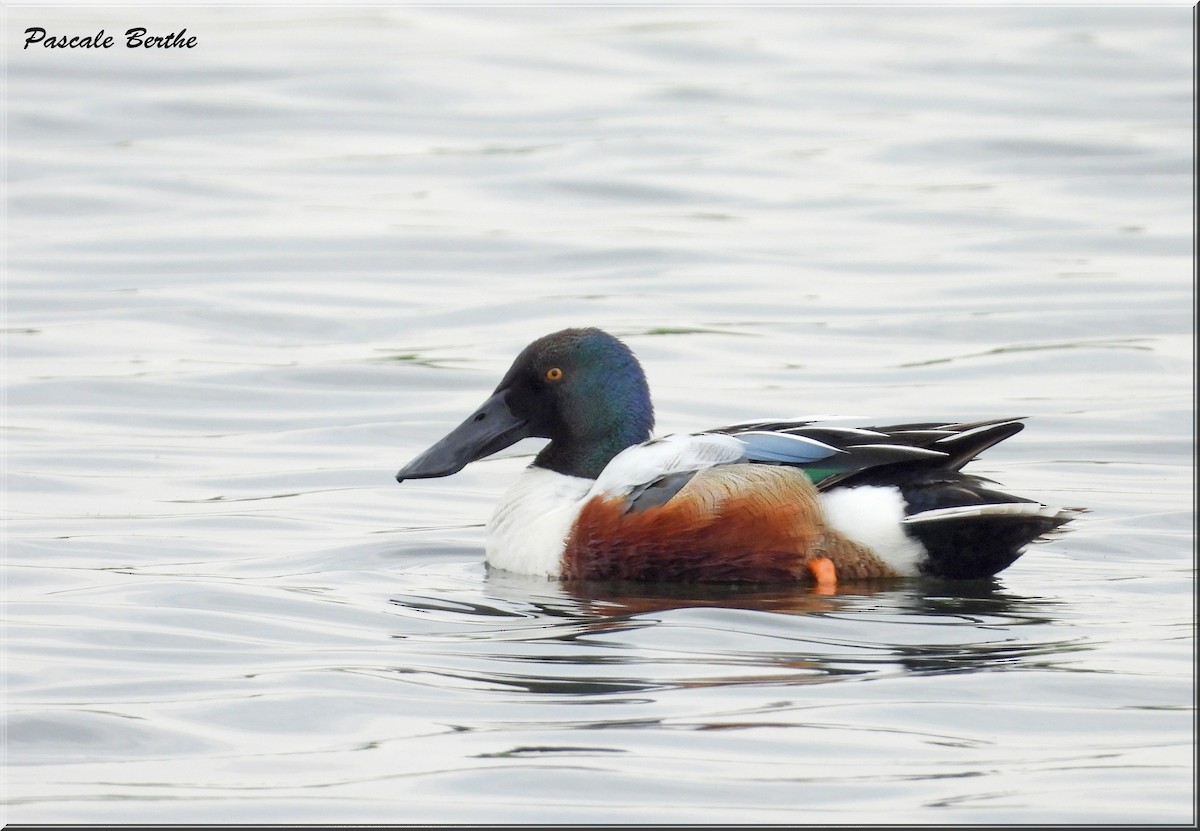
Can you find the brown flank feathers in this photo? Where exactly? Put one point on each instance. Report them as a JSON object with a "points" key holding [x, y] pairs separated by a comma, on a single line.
{"points": [[729, 524]]}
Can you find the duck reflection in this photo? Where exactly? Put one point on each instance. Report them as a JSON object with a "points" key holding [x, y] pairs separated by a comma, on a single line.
{"points": [[589, 638], [627, 598], [972, 600]]}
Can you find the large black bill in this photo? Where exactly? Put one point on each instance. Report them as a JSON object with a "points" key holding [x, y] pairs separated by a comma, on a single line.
{"points": [[491, 428]]}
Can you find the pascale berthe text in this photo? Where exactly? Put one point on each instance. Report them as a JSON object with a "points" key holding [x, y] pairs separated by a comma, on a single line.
{"points": [[135, 38]]}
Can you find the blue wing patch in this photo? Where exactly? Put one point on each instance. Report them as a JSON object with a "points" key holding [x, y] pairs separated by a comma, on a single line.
{"points": [[784, 448]]}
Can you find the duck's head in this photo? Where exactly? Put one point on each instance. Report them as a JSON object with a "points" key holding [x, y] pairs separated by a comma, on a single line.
{"points": [[581, 388]]}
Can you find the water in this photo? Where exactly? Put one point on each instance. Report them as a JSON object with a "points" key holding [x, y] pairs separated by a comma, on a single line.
{"points": [[249, 280]]}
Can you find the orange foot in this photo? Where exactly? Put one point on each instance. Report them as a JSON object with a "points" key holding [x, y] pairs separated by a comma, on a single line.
{"points": [[825, 573]]}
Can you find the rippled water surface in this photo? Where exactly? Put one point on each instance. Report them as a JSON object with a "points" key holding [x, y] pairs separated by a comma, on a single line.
{"points": [[249, 280]]}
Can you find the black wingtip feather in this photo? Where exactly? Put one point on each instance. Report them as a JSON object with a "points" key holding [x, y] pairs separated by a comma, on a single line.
{"points": [[972, 547]]}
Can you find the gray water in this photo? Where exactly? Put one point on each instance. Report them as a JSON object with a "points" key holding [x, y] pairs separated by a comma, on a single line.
{"points": [[249, 280]]}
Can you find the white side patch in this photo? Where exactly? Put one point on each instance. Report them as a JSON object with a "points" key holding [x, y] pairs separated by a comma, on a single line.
{"points": [[874, 516], [529, 528]]}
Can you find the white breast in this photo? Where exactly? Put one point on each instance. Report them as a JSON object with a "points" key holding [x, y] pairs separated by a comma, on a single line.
{"points": [[529, 527]]}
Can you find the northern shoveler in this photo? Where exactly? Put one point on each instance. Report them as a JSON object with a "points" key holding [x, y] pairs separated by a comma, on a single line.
{"points": [[761, 501]]}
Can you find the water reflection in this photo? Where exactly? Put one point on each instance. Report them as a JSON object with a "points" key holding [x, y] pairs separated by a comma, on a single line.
{"points": [[626, 598], [978, 601], [595, 638], [975, 601]]}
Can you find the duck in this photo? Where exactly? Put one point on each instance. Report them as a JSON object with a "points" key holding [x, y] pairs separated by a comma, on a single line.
{"points": [[768, 501]]}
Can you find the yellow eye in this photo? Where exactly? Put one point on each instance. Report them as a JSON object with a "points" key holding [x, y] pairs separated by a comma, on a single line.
{"points": [[554, 374]]}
